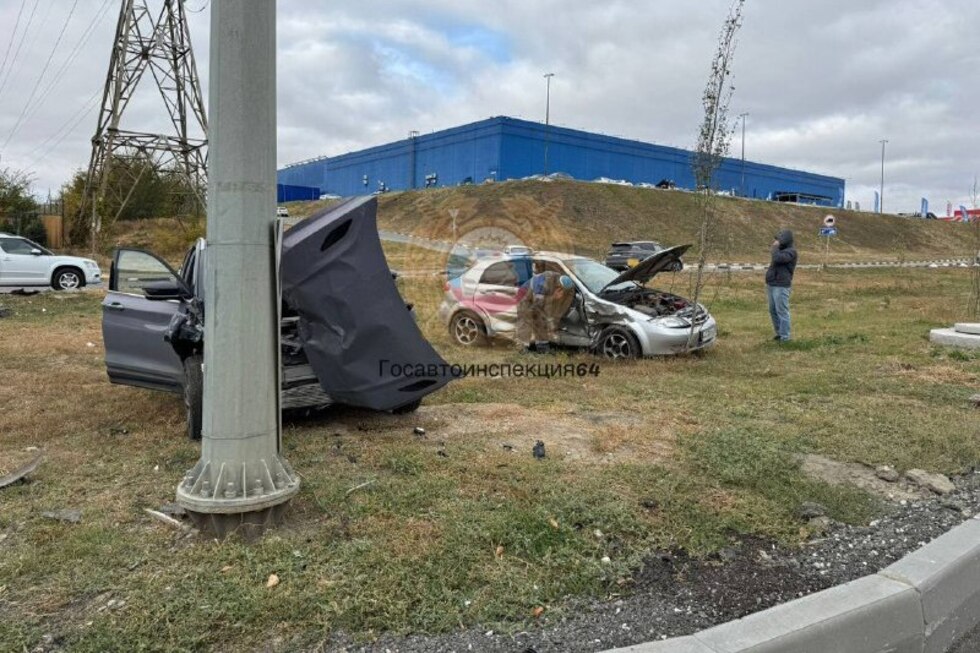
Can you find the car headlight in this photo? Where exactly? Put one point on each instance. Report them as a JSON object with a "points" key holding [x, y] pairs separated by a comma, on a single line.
{"points": [[673, 322], [91, 265]]}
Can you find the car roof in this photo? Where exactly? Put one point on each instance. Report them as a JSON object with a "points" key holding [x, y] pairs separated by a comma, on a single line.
{"points": [[630, 243], [498, 257]]}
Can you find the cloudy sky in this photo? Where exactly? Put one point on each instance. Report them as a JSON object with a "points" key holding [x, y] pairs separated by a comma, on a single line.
{"points": [[823, 82]]}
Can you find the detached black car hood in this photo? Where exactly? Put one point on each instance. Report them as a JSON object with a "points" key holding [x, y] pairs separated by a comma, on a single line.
{"points": [[357, 332], [649, 267]]}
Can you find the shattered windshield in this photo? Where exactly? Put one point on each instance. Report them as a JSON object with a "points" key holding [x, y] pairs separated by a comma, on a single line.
{"points": [[593, 275]]}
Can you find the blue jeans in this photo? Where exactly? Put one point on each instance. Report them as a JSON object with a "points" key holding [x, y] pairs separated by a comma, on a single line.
{"points": [[779, 310]]}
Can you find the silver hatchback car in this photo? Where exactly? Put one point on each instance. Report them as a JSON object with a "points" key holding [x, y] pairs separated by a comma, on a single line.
{"points": [[613, 314]]}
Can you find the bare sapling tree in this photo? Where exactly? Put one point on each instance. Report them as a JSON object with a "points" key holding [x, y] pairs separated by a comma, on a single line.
{"points": [[714, 139], [973, 310]]}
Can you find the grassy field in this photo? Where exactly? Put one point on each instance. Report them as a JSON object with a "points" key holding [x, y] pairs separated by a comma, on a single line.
{"points": [[455, 528]]}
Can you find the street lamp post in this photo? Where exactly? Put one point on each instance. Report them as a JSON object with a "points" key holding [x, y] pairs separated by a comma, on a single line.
{"points": [[547, 103], [742, 186], [881, 189], [547, 118]]}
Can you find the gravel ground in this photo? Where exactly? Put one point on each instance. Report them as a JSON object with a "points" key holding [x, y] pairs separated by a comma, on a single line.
{"points": [[676, 595]]}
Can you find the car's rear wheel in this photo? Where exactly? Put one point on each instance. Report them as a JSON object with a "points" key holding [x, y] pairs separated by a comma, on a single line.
{"points": [[467, 330], [618, 344], [194, 395], [67, 279]]}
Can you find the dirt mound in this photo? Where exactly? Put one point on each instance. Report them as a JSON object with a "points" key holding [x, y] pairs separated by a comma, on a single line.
{"points": [[567, 433]]}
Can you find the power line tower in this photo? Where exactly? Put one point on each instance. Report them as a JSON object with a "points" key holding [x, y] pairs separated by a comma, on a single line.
{"points": [[159, 43]]}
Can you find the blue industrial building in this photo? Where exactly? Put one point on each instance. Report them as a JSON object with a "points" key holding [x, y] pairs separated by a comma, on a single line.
{"points": [[501, 148]]}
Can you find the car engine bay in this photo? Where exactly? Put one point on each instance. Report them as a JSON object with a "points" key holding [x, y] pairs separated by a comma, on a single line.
{"points": [[654, 303]]}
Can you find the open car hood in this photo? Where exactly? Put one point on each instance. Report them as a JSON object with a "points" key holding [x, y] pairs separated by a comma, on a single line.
{"points": [[649, 267], [355, 327]]}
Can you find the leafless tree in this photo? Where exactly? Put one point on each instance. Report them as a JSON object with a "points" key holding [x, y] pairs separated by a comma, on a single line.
{"points": [[714, 138], [973, 309]]}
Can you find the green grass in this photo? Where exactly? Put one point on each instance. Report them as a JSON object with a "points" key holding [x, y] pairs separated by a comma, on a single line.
{"points": [[689, 452]]}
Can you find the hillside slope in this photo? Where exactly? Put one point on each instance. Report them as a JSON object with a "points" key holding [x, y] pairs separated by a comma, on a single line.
{"points": [[586, 217]]}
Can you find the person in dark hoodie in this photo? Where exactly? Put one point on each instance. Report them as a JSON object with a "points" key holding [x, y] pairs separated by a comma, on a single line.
{"points": [[779, 281]]}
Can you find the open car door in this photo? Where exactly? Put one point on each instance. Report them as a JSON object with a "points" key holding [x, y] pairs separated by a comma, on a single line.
{"points": [[133, 325], [357, 332]]}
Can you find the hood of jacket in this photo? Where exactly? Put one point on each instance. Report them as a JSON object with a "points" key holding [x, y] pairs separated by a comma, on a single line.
{"points": [[785, 238]]}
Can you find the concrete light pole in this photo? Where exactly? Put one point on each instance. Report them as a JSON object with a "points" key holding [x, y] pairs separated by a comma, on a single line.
{"points": [[742, 186], [547, 119], [241, 481], [881, 193]]}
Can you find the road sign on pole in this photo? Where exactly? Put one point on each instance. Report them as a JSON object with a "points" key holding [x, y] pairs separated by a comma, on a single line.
{"points": [[827, 232]]}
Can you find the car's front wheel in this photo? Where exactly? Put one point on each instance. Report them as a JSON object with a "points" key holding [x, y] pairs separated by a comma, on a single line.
{"points": [[467, 329], [67, 279], [618, 344], [194, 394]]}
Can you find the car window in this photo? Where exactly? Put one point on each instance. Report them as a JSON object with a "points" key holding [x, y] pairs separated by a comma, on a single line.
{"points": [[594, 276], [551, 266], [650, 247], [501, 274], [135, 269], [187, 267], [20, 246]]}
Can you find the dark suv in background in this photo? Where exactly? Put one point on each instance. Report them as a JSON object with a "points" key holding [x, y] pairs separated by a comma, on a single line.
{"points": [[625, 255]]}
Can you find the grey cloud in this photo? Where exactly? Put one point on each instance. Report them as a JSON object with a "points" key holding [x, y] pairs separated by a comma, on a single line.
{"points": [[823, 82]]}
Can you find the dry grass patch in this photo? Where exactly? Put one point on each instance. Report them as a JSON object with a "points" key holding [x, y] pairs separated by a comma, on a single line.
{"points": [[686, 452]]}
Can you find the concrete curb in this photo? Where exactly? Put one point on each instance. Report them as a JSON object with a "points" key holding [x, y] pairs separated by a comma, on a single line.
{"points": [[921, 604]]}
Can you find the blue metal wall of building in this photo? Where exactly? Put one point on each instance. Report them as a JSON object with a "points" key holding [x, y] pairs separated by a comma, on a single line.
{"points": [[506, 148], [291, 193]]}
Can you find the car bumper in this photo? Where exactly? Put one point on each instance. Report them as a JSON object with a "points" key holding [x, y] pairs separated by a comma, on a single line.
{"points": [[660, 340], [93, 276], [446, 310]]}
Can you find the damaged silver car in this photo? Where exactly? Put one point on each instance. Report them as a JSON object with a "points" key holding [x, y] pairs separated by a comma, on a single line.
{"points": [[613, 314], [341, 318]]}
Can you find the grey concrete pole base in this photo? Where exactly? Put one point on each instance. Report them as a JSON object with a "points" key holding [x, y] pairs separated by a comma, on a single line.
{"points": [[244, 498]]}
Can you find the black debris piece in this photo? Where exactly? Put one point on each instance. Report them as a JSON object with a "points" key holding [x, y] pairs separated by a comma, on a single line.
{"points": [[538, 449]]}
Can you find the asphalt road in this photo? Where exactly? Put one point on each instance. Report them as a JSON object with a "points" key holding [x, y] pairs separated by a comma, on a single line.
{"points": [[969, 644]]}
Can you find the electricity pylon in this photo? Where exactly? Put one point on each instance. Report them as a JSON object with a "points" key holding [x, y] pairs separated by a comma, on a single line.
{"points": [[160, 43]]}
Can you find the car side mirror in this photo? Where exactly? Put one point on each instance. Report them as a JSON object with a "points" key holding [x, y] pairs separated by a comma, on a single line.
{"points": [[162, 290], [36, 252]]}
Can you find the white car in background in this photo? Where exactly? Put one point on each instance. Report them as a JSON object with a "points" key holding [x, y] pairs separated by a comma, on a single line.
{"points": [[25, 263]]}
